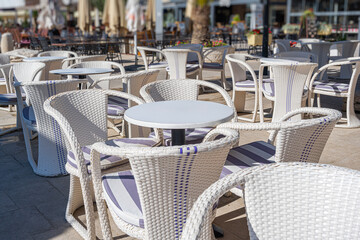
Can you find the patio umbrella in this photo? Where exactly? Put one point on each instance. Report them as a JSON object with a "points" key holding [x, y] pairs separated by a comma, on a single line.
{"points": [[84, 18], [114, 16], [135, 20], [150, 14]]}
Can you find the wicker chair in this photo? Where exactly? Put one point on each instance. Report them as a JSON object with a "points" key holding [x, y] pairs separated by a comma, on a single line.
{"points": [[238, 68], [337, 89], [185, 89], [52, 150], [4, 80], [301, 141], [283, 199], [153, 65], [132, 82], [25, 71], [82, 117], [289, 88], [101, 64], [178, 66], [70, 61], [152, 200], [217, 65], [67, 54], [297, 56]]}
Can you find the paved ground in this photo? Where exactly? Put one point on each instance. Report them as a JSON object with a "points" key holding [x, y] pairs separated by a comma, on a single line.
{"points": [[33, 207]]}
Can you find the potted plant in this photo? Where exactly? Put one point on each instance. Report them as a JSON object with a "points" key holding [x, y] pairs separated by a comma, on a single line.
{"points": [[255, 37]]}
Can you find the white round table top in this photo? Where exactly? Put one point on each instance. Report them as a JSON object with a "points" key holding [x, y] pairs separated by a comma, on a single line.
{"points": [[81, 71], [179, 114], [33, 59], [277, 61]]}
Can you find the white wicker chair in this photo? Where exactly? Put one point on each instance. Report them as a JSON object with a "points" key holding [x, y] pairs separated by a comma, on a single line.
{"points": [[5, 80], [178, 66], [337, 89], [26, 72], [289, 87], [70, 61], [132, 82], [152, 200], [82, 116], [52, 150], [185, 89], [284, 199], [101, 64], [152, 65], [238, 68], [218, 66], [301, 141], [346, 49], [67, 54]]}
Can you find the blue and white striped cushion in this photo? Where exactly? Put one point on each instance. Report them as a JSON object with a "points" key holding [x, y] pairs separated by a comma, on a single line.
{"points": [[29, 116], [189, 67], [108, 159], [212, 66], [269, 89], [157, 65], [192, 136], [117, 106], [122, 197], [250, 83], [248, 155], [8, 98], [332, 87]]}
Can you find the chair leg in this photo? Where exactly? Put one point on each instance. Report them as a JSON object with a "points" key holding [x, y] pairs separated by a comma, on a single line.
{"points": [[352, 120], [261, 108], [318, 100]]}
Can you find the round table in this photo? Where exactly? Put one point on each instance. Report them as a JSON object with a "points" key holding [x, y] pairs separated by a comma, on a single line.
{"points": [[81, 71], [178, 116], [45, 58]]}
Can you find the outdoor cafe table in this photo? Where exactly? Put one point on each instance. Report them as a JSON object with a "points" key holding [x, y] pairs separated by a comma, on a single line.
{"points": [[81, 71], [178, 116], [44, 58]]}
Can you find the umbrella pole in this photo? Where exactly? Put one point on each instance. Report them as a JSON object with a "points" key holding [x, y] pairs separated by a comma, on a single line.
{"points": [[135, 47]]}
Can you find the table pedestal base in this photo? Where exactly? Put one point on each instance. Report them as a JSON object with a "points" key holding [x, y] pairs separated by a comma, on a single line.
{"points": [[178, 137]]}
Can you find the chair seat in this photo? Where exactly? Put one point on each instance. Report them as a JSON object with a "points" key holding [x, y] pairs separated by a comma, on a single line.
{"points": [[250, 83], [108, 159], [117, 106], [332, 87], [207, 65], [9, 98], [189, 68], [192, 136], [122, 197], [29, 116], [157, 65], [269, 89], [248, 155]]}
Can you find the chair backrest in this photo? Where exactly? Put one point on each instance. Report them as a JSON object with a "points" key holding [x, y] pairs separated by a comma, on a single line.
{"points": [[177, 61], [283, 45], [192, 57], [216, 54], [70, 61], [5, 70], [67, 54], [143, 51], [170, 179], [304, 141], [289, 82], [52, 147], [238, 68], [4, 59], [183, 89], [101, 64], [27, 71], [283, 199], [82, 116]]}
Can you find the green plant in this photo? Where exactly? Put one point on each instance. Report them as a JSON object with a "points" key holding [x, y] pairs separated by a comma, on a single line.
{"points": [[236, 18], [217, 43]]}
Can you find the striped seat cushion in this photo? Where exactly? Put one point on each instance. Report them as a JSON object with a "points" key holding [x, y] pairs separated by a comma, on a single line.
{"points": [[189, 68], [212, 66], [29, 116], [269, 89], [117, 106], [192, 136], [108, 159], [248, 155], [8, 98], [332, 87], [122, 197], [157, 65], [250, 83]]}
